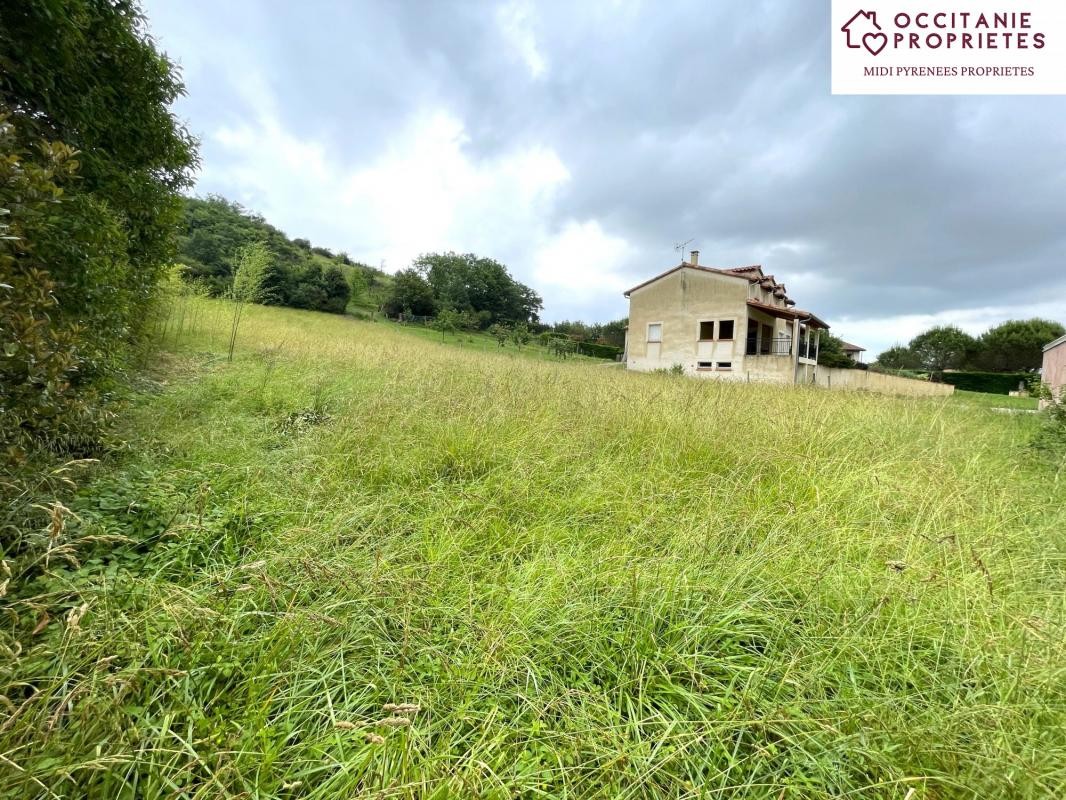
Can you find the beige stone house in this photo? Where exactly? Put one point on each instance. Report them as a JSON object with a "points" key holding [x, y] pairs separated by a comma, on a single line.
{"points": [[734, 324], [1054, 372]]}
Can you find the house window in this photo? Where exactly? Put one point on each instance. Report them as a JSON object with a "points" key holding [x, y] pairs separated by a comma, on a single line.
{"points": [[706, 331], [655, 332], [704, 365], [725, 329], [725, 365]]}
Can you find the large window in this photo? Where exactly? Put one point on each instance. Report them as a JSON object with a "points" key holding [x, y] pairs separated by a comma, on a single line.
{"points": [[655, 332], [706, 330], [725, 329]]}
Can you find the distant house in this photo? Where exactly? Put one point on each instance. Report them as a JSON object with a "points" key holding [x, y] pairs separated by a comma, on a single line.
{"points": [[734, 324], [1054, 371], [853, 351]]}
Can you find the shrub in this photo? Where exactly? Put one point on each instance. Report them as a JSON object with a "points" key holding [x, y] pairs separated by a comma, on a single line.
{"points": [[599, 350], [990, 382]]}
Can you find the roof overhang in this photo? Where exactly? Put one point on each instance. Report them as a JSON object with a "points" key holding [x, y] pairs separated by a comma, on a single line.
{"points": [[1054, 344], [789, 314], [697, 268]]}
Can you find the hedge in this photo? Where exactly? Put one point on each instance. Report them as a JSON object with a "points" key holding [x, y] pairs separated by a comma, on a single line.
{"points": [[599, 350], [989, 382]]}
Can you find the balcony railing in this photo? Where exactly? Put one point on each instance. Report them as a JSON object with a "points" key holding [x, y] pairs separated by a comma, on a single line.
{"points": [[780, 347], [768, 347]]}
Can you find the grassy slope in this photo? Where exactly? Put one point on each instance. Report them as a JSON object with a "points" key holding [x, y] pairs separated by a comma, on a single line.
{"points": [[595, 584]]}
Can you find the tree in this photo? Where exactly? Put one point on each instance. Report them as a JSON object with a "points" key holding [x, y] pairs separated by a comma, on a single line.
{"points": [[500, 333], [448, 321], [252, 262], [481, 286], [898, 357], [411, 293], [92, 162], [941, 348], [831, 352], [520, 335], [86, 74], [1016, 345], [336, 289]]}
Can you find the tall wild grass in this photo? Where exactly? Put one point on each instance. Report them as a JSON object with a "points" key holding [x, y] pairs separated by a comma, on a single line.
{"points": [[357, 563]]}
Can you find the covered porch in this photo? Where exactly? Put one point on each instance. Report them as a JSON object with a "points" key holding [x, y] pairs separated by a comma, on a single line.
{"points": [[799, 338]]}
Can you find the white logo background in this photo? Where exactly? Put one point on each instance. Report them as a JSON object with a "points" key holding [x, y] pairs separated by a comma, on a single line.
{"points": [[945, 70]]}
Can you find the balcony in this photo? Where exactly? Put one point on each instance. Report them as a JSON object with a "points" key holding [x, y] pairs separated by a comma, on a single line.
{"points": [[780, 347], [768, 347]]}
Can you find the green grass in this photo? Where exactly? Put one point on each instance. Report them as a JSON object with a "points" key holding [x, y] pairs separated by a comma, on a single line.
{"points": [[594, 584], [984, 400]]}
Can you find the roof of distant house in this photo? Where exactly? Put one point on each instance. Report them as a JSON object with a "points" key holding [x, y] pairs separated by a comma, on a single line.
{"points": [[848, 347]]}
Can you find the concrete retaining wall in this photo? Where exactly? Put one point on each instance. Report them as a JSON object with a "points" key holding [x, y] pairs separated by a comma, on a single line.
{"points": [[879, 382]]}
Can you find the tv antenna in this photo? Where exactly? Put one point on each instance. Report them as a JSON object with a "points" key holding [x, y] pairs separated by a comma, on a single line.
{"points": [[680, 247]]}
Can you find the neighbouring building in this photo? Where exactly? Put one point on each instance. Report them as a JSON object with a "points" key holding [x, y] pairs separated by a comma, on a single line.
{"points": [[1054, 372], [737, 324], [854, 352]]}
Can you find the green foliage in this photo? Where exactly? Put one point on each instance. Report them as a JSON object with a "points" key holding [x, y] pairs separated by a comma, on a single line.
{"points": [[448, 321], [520, 334], [897, 358], [608, 333], [991, 382], [599, 350], [501, 333], [831, 352], [410, 293], [1016, 345], [299, 276], [86, 74], [479, 286], [1049, 442], [248, 285], [941, 348]]}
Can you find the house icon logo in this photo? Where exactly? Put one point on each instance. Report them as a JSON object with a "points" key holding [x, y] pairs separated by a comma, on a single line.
{"points": [[862, 31]]}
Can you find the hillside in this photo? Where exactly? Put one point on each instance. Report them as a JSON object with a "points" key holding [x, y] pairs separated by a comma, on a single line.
{"points": [[591, 583], [215, 228]]}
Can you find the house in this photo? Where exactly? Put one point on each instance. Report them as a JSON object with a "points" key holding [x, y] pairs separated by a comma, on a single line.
{"points": [[737, 324], [853, 351], [1054, 372], [862, 23]]}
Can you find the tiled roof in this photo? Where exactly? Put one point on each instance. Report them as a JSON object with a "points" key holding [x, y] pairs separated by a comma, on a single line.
{"points": [[684, 265]]}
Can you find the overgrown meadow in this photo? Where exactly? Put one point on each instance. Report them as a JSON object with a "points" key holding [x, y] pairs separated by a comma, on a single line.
{"points": [[356, 562]]}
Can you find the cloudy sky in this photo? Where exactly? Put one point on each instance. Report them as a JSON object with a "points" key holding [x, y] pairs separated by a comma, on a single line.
{"points": [[578, 142]]}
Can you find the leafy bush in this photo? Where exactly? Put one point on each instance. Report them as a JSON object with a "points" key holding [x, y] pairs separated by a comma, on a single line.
{"points": [[990, 382], [599, 350], [91, 165], [1050, 441]]}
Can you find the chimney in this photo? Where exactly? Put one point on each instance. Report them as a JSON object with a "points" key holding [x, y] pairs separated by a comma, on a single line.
{"points": [[694, 258]]}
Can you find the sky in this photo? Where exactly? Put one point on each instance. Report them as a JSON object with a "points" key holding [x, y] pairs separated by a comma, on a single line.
{"points": [[578, 142]]}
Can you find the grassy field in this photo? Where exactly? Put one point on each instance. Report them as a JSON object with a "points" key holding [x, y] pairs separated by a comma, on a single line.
{"points": [[984, 400], [592, 584]]}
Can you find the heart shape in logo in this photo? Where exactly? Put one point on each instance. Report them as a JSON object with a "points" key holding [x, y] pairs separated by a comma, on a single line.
{"points": [[875, 42]]}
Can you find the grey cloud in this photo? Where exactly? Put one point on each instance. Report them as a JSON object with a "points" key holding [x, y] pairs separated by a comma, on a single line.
{"points": [[711, 121]]}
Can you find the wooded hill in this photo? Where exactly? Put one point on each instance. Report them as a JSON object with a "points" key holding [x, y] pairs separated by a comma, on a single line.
{"points": [[302, 275]]}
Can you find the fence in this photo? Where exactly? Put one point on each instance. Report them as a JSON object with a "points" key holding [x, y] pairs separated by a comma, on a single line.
{"points": [[860, 379]]}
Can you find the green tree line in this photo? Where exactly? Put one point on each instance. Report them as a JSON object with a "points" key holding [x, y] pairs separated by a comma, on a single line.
{"points": [[1013, 346]]}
